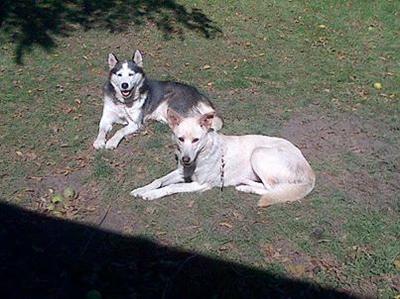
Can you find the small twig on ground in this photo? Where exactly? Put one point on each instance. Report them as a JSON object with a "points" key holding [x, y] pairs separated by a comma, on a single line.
{"points": [[92, 234]]}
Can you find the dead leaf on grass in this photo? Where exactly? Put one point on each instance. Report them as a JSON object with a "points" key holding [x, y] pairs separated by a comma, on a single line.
{"points": [[223, 248], [396, 264], [36, 178], [31, 156], [297, 269], [226, 224], [270, 251], [150, 210]]}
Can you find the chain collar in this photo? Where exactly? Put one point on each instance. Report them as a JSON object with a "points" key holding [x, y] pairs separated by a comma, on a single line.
{"points": [[222, 170]]}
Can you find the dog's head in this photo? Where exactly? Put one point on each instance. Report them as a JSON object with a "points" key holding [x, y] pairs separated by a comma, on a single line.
{"points": [[126, 76], [190, 134]]}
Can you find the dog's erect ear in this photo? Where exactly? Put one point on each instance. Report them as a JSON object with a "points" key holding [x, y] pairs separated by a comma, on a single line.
{"points": [[173, 118], [112, 60], [137, 58], [206, 120]]}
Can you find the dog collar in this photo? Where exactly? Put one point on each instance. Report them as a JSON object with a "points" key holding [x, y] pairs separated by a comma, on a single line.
{"points": [[222, 170]]}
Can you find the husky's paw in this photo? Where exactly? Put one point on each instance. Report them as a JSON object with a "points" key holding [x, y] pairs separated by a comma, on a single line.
{"points": [[99, 144], [112, 143]]}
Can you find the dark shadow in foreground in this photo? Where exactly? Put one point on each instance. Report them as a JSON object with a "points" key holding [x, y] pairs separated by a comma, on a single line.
{"points": [[34, 22], [42, 257]]}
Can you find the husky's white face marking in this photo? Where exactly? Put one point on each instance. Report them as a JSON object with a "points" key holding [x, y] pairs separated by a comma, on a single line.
{"points": [[190, 135], [125, 79], [126, 76]]}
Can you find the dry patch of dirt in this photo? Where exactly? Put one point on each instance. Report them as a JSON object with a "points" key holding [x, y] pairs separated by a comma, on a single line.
{"points": [[353, 155], [80, 205]]}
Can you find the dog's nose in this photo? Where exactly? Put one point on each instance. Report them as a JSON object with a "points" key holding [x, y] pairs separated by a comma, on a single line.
{"points": [[124, 85], [185, 159]]}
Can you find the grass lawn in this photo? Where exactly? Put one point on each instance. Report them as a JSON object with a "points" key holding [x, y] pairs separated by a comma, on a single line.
{"points": [[303, 70]]}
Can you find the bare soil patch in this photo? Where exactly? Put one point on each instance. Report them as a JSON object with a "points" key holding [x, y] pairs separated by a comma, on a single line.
{"points": [[352, 153]]}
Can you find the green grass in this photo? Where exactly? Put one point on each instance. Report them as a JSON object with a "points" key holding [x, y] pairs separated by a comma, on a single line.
{"points": [[272, 64]]}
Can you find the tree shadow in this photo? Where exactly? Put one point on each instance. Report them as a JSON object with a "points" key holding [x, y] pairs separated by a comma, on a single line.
{"points": [[36, 22], [42, 257]]}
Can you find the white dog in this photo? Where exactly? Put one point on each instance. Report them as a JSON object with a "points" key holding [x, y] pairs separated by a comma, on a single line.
{"points": [[269, 166]]}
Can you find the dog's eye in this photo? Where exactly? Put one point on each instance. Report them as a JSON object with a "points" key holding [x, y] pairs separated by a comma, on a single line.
{"points": [[119, 75], [181, 139], [130, 75], [195, 140]]}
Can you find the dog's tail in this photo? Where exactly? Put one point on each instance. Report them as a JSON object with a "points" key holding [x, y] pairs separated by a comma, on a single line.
{"points": [[286, 192]]}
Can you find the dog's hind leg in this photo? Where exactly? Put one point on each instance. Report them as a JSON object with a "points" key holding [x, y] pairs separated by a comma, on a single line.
{"points": [[276, 169], [252, 183], [250, 186], [252, 189]]}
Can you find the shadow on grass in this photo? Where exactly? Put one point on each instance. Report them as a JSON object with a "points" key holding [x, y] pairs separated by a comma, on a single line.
{"points": [[36, 22], [42, 257]]}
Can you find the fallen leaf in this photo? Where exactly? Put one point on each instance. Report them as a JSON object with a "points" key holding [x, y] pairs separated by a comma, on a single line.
{"points": [[226, 224], [223, 248], [36, 178], [206, 67], [397, 263], [31, 156], [298, 270]]}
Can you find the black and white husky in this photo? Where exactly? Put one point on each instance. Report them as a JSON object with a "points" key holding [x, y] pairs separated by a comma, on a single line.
{"points": [[130, 99]]}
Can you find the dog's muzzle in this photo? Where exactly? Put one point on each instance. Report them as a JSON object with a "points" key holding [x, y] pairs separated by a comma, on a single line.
{"points": [[126, 93]]}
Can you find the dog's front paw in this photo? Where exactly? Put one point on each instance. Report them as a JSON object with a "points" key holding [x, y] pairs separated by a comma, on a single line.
{"points": [[138, 192], [151, 195], [99, 144], [112, 143]]}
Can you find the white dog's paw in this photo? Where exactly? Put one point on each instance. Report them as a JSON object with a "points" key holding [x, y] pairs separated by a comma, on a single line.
{"points": [[99, 144], [151, 195], [112, 143], [139, 191], [244, 188]]}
